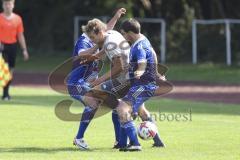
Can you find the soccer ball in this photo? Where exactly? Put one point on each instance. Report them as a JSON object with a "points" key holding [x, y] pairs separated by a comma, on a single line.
{"points": [[147, 130]]}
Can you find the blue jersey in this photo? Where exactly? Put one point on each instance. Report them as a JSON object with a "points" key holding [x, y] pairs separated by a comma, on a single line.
{"points": [[80, 75], [141, 89], [87, 71], [142, 51]]}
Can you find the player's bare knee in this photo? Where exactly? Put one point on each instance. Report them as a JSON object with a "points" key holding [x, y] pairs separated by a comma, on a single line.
{"points": [[91, 102], [125, 117], [124, 112]]}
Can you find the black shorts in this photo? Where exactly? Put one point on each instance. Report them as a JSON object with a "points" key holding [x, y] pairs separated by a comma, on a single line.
{"points": [[9, 54]]}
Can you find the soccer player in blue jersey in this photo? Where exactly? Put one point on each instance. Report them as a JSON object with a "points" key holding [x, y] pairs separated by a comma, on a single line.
{"points": [[115, 81], [143, 74], [80, 77]]}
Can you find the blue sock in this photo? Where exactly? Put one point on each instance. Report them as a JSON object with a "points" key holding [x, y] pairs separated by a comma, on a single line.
{"points": [[122, 138], [131, 132], [157, 140], [116, 124], [87, 116]]}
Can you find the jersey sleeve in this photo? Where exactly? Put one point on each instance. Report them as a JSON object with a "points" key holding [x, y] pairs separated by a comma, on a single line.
{"points": [[140, 55], [20, 28], [81, 46]]}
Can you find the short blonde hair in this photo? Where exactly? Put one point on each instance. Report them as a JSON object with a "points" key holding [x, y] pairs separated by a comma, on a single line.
{"points": [[94, 26]]}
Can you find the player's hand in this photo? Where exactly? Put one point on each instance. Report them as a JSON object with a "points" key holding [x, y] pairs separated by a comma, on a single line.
{"points": [[88, 58], [83, 56], [138, 74], [83, 61], [93, 58], [25, 55], [120, 12]]}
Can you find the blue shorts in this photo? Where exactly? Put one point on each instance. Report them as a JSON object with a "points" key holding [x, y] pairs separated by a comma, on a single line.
{"points": [[77, 86], [137, 95], [78, 89]]}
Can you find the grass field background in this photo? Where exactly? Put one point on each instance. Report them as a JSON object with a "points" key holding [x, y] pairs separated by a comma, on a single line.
{"points": [[30, 130], [204, 72]]}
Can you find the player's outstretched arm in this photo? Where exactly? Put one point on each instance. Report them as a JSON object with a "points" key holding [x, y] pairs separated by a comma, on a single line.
{"points": [[115, 18], [100, 54], [86, 53], [92, 57], [88, 57]]}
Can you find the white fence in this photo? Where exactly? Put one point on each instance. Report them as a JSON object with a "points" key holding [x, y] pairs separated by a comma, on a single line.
{"points": [[162, 35], [227, 23]]}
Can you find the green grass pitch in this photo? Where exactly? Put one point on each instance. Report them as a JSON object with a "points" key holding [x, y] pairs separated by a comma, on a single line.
{"points": [[29, 130]]}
